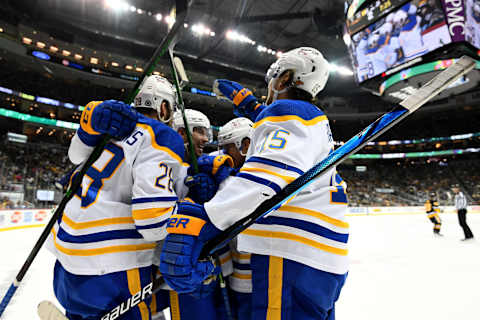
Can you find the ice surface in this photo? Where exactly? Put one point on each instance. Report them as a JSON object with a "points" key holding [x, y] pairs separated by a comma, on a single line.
{"points": [[399, 270]]}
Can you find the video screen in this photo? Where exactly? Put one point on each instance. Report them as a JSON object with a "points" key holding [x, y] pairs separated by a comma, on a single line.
{"points": [[472, 33], [413, 30]]}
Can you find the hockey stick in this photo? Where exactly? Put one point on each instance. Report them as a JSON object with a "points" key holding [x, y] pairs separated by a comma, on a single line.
{"points": [[181, 7], [177, 66], [380, 126]]}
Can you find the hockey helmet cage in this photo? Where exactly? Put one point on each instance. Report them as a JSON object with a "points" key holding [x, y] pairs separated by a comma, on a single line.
{"points": [[310, 69], [153, 91]]}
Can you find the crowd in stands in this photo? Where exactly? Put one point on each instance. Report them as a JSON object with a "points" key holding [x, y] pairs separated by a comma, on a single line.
{"points": [[402, 184], [27, 168]]}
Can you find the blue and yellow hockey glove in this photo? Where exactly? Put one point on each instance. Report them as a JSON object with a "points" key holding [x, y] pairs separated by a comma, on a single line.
{"points": [[111, 117], [245, 103], [188, 231], [220, 167], [201, 187]]}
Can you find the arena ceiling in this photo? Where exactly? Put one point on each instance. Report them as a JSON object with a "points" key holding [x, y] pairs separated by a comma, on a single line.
{"points": [[279, 25]]}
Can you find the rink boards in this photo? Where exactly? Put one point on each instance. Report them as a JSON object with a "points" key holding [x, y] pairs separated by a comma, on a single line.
{"points": [[31, 218]]}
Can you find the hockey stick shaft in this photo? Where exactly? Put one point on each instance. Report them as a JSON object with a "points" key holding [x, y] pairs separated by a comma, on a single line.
{"points": [[380, 126], [176, 68], [181, 9]]}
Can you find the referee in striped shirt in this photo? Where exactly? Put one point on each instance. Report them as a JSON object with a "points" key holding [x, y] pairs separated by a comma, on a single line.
{"points": [[461, 205]]}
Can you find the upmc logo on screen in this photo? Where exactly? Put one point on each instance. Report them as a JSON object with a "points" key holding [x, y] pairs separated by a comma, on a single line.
{"points": [[455, 19]]}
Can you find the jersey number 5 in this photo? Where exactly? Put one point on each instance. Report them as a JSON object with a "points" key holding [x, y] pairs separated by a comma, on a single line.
{"points": [[98, 175]]}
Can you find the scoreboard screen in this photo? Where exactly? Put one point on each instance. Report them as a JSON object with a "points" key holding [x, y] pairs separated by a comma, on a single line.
{"points": [[472, 24], [412, 30]]}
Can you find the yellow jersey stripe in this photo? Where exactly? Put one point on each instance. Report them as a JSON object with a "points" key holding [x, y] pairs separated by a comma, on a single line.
{"points": [[275, 284], [287, 179], [242, 276], [242, 256], [159, 147], [174, 305], [315, 214], [95, 223], [288, 118], [294, 237], [134, 286], [99, 251], [143, 214]]}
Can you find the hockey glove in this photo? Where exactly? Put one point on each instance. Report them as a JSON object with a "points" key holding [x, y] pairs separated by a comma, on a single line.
{"points": [[245, 103], [220, 167], [201, 187], [189, 229], [111, 117]]}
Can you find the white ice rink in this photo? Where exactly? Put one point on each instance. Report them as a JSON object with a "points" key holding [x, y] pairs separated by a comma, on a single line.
{"points": [[399, 270]]}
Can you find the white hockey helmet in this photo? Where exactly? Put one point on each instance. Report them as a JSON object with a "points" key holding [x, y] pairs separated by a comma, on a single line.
{"points": [[153, 91], [194, 118], [310, 69], [234, 132], [400, 17]]}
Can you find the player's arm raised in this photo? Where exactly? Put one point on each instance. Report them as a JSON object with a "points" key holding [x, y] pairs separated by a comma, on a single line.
{"points": [[110, 117]]}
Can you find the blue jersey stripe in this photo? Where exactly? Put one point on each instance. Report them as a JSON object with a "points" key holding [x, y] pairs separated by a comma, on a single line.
{"points": [[153, 199], [276, 164], [307, 226], [275, 187], [99, 236], [242, 266], [152, 226]]}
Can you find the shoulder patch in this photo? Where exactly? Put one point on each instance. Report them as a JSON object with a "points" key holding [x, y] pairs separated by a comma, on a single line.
{"points": [[164, 138], [284, 110]]}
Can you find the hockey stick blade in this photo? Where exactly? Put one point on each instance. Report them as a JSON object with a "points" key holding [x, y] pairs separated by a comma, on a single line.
{"points": [[46, 310], [181, 72], [378, 127]]}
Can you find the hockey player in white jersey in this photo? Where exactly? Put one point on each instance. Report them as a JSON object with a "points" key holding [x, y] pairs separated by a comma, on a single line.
{"points": [[473, 22], [299, 252], [104, 242], [410, 37], [199, 126]]}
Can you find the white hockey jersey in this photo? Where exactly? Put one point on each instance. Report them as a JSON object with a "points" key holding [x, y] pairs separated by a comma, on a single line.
{"points": [[114, 220], [289, 138]]}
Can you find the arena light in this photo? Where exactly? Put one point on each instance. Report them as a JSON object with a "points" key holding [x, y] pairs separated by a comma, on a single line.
{"points": [[26, 40], [201, 30], [170, 20], [341, 70], [115, 64], [279, 54], [133, 9], [41, 45], [235, 36], [93, 60], [53, 49], [138, 69], [140, 11], [1, 29], [128, 67], [66, 53], [78, 56], [158, 16], [117, 5]]}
